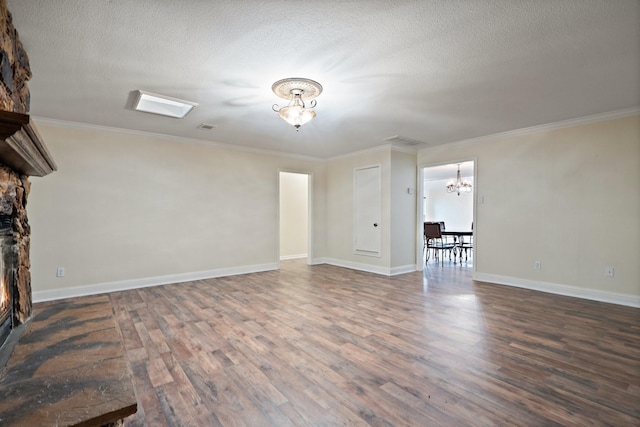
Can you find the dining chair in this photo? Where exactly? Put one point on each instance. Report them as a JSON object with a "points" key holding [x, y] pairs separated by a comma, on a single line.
{"points": [[434, 241], [466, 246], [447, 239]]}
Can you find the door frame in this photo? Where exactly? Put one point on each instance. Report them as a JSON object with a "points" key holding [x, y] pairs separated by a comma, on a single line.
{"points": [[310, 236], [420, 208]]}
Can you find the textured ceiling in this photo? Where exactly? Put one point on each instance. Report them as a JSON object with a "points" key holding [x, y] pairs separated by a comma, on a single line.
{"points": [[432, 71]]}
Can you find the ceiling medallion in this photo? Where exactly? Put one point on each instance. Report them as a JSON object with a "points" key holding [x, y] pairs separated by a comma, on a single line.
{"points": [[297, 90]]}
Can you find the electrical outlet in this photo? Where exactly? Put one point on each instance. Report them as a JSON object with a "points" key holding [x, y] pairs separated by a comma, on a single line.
{"points": [[608, 272], [60, 272], [537, 265]]}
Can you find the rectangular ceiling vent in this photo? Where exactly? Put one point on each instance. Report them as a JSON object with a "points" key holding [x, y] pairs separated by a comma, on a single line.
{"points": [[206, 126], [397, 139], [148, 102]]}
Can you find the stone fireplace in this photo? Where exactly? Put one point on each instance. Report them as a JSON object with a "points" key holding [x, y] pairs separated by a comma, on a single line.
{"points": [[15, 279], [22, 154], [53, 371]]}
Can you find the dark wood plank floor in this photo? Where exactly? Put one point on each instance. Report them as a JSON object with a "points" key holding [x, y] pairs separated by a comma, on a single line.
{"points": [[325, 346]]}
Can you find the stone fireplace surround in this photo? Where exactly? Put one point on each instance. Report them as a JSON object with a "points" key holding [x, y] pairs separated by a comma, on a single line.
{"points": [[22, 154], [40, 383], [65, 362], [15, 239]]}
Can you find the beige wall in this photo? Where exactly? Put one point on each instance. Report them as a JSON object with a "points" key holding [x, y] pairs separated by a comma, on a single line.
{"points": [[125, 207], [143, 210], [293, 215], [567, 197], [340, 209], [398, 211], [403, 210]]}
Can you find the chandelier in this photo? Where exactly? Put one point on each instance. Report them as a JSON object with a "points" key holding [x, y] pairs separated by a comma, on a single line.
{"points": [[458, 186], [297, 90]]}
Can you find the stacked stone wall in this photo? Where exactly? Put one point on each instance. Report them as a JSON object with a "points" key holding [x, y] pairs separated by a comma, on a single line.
{"points": [[14, 187], [14, 66]]}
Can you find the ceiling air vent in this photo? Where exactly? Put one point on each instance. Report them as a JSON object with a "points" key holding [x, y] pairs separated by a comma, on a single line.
{"points": [[397, 139], [163, 105], [205, 126]]}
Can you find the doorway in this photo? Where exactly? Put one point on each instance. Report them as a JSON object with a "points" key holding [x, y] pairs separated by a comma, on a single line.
{"points": [[454, 206], [294, 216]]}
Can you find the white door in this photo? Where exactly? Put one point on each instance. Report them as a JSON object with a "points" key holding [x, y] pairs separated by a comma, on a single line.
{"points": [[368, 210]]}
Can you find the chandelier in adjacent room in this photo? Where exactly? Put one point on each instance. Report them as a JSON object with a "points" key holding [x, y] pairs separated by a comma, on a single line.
{"points": [[458, 186], [297, 90]]}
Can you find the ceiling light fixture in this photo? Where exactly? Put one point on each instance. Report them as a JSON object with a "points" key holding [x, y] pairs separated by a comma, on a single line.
{"points": [[458, 186], [162, 105], [297, 90]]}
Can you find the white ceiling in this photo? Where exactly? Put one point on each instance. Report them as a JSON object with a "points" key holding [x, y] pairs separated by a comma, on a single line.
{"points": [[432, 71]]}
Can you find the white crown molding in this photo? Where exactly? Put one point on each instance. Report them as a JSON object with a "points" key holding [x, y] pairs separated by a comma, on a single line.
{"points": [[627, 112], [384, 147], [407, 150], [124, 285], [558, 289], [361, 152], [182, 140], [170, 138]]}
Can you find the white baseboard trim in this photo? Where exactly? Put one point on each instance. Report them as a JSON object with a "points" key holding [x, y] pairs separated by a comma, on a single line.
{"points": [[358, 266], [124, 285], [286, 257], [403, 269], [558, 289], [317, 261], [385, 271]]}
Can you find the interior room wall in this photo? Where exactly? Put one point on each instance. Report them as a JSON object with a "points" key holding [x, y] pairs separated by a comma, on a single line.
{"points": [[403, 211], [456, 211], [293, 215], [398, 221], [566, 197], [130, 209], [340, 210], [139, 209]]}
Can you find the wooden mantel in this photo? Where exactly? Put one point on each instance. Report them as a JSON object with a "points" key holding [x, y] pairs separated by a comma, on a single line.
{"points": [[21, 146]]}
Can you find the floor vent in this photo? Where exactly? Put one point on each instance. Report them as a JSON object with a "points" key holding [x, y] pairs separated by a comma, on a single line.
{"points": [[206, 126]]}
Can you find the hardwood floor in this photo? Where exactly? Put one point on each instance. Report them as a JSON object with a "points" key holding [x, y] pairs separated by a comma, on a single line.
{"points": [[325, 345]]}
